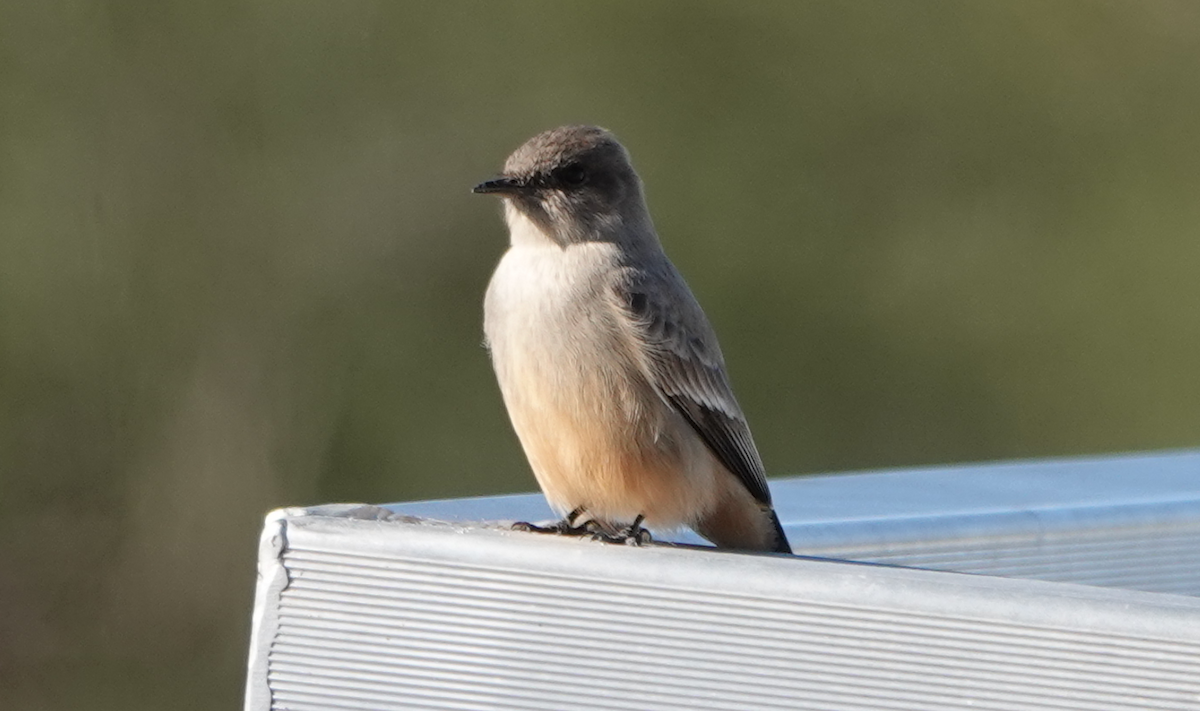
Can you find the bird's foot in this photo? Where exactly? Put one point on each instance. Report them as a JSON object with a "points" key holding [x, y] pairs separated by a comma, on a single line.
{"points": [[562, 528], [632, 535], [565, 527]]}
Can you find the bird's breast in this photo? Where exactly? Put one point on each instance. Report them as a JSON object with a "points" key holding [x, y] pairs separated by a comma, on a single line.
{"points": [[570, 368], [548, 320]]}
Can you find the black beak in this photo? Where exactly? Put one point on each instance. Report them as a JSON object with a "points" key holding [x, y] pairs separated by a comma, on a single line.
{"points": [[502, 185]]}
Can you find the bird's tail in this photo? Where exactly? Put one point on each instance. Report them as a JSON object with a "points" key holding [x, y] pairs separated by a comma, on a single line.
{"points": [[781, 541]]}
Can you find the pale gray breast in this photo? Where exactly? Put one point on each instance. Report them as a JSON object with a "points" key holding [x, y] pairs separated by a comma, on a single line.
{"points": [[548, 320]]}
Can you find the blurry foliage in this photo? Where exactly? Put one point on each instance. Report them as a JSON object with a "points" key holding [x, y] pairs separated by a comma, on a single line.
{"points": [[240, 267]]}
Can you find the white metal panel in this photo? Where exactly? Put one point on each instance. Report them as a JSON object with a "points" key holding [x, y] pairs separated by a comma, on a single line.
{"points": [[362, 608], [1123, 521], [396, 615]]}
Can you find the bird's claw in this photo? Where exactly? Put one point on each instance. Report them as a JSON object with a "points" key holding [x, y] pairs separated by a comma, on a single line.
{"points": [[561, 528], [632, 535], [625, 537]]}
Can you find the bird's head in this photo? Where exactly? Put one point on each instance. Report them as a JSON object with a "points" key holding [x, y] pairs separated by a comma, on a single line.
{"points": [[576, 183]]}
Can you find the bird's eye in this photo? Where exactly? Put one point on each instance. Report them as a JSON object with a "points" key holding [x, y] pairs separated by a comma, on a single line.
{"points": [[573, 176]]}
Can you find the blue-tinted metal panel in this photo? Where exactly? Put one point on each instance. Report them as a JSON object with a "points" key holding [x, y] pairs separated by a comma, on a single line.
{"points": [[1124, 521], [359, 607]]}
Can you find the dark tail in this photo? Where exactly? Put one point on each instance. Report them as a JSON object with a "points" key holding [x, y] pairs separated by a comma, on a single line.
{"points": [[781, 541]]}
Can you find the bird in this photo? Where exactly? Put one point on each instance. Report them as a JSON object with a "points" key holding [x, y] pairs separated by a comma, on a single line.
{"points": [[608, 367]]}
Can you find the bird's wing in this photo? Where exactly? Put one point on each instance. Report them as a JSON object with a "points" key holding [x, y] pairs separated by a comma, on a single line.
{"points": [[684, 364]]}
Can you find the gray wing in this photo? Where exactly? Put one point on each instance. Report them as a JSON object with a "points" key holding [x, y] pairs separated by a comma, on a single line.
{"points": [[686, 368]]}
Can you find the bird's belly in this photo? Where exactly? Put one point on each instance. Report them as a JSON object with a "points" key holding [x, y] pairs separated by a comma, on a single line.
{"points": [[595, 432], [600, 441]]}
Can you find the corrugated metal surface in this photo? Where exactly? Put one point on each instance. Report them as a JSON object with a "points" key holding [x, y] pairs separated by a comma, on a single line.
{"points": [[1130, 521], [361, 608], [1152, 558], [386, 615]]}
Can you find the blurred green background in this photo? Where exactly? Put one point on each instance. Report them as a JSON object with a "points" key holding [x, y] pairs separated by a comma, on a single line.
{"points": [[240, 267]]}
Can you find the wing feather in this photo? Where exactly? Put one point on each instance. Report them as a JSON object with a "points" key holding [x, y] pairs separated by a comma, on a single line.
{"points": [[685, 366]]}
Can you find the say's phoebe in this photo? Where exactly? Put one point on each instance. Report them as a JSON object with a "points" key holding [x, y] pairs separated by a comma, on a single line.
{"points": [[610, 371]]}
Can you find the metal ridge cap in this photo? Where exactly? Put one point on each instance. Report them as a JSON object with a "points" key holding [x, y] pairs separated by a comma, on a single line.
{"points": [[763, 577]]}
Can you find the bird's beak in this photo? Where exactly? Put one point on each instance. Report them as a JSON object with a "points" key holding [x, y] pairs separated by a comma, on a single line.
{"points": [[502, 185]]}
